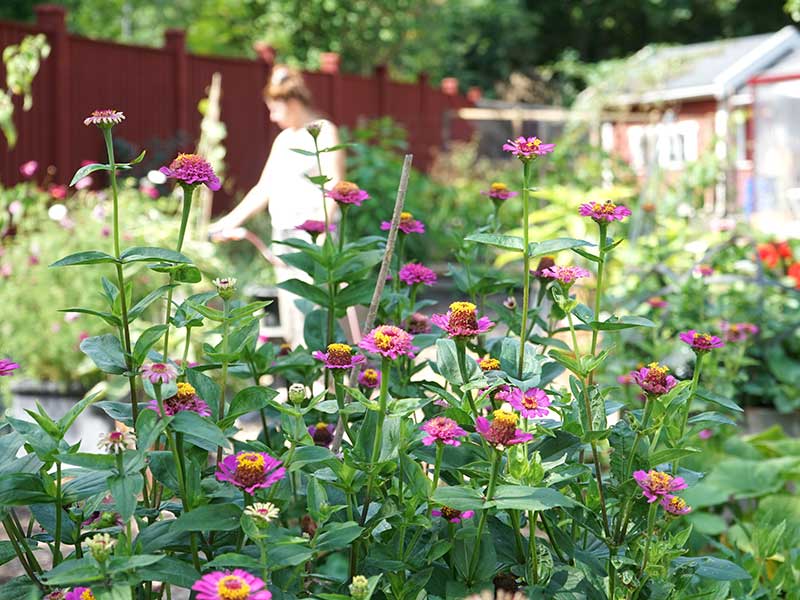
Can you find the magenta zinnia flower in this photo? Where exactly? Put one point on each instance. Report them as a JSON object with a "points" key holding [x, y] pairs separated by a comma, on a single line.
{"points": [[388, 341], [250, 470], [626, 379], [185, 399], [442, 429], [314, 228], [705, 434], [606, 211], [502, 393], [159, 372], [79, 593], [347, 192], [654, 379], [321, 433], [656, 483], [369, 378], [233, 585], [408, 224], [498, 191], [7, 367], [701, 342], [414, 273], [502, 431], [675, 505], [527, 149], [566, 275], [104, 118], [28, 169], [192, 169], [657, 302], [737, 332], [452, 515], [532, 404], [462, 320], [338, 356], [418, 323]]}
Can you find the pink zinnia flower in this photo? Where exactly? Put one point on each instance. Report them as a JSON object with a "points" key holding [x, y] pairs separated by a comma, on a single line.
{"points": [[701, 342], [462, 320], [408, 224], [5, 270], [626, 379], [192, 169], [322, 433], [388, 341], [737, 332], [657, 302], [234, 585], [607, 211], [532, 404], [502, 431], [418, 323], [704, 270], [527, 148], [29, 168], [250, 470], [705, 434], [566, 275], [452, 515], [15, 208], [442, 429], [654, 379], [414, 273], [656, 483], [159, 372], [338, 356], [347, 192], [105, 118], [502, 393], [369, 378], [675, 505], [79, 593], [57, 192], [499, 191], [314, 228], [185, 399], [7, 367]]}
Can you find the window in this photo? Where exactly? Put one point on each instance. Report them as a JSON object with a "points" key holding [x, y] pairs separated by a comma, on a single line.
{"points": [[674, 143]]}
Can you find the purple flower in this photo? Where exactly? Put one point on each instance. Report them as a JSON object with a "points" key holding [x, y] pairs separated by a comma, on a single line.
{"points": [[704, 270], [185, 399], [654, 379], [370, 378], [314, 228], [388, 341], [566, 275], [338, 356], [192, 169], [346, 192], [656, 483], [234, 585], [79, 593], [527, 148], [675, 505], [452, 515], [408, 224], [28, 169], [250, 470], [7, 367], [502, 431], [606, 211], [442, 429], [418, 323], [159, 372], [462, 321], [737, 332], [705, 434], [532, 404], [414, 273], [701, 342], [105, 118], [498, 191], [322, 433], [626, 379]]}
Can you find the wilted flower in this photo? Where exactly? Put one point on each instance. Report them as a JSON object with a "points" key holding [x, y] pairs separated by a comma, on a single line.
{"points": [[347, 192], [359, 588], [102, 519], [499, 191], [226, 287], [532, 404], [442, 429], [185, 399], [701, 342], [250, 470], [80, 593], [322, 434], [7, 367], [654, 379], [338, 356], [657, 483], [462, 320], [55, 595], [452, 515], [418, 323], [28, 169], [414, 273], [104, 118], [657, 302], [606, 211], [566, 275], [408, 224], [388, 341], [369, 378], [158, 372], [487, 363], [297, 393], [192, 169], [675, 505], [263, 513], [502, 431], [737, 332], [117, 441], [527, 148], [101, 546], [234, 585], [544, 263]]}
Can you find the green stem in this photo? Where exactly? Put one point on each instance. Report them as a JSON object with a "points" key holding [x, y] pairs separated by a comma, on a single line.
{"points": [[342, 222], [188, 191], [473, 562], [59, 517], [532, 550], [517, 528], [526, 275], [338, 385], [386, 366], [461, 354], [575, 348], [651, 521], [437, 465], [21, 555], [185, 358], [692, 389], [600, 276], [224, 376]]}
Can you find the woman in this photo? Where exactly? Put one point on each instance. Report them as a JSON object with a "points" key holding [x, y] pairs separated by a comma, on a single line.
{"points": [[284, 188]]}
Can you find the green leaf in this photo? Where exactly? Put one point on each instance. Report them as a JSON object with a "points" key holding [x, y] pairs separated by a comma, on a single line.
{"points": [[506, 242], [520, 497], [711, 567], [711, 417], [7, 552], [616, 324], [318, 179], [670, 454], [136, 311], [447, 361], [144, 253], [173, 571], [90, 257], [106, 352], [203, 433], [137, 160], [303, 152], [459, 497], [717, 399], [87, 170], [336, 536], [210, 517], [207, 311], [125, 489], [246, 401], [288, 553], [231, 560], [17, 489], [555, 245], [95, 462], [82, 570], [108, 317], [306, 290], [146, 341], [305, 455]]}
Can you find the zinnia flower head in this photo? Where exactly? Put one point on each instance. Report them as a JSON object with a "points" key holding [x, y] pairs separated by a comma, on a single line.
{"points": [[675, 505], [359, 588], [737, 332], [388, 341], [231, 585], [705, 434], [314, 228], [452, 515], [7, 367], [499, 191], [415, 273], [462, 320], [28, 169], [654, 379], [369, 378], [657, 483], [347, 192], [487, 363], [793, 271], [105, 118], [322, 433], [80, 593], [606, 211], [262, 513], [704, 270], [55, 595], [532, 404], [657, 302], [418, 323], [185, 399], [250, 470], [192, 169], [338, 356], [701, 342], [159, 372], [527, 149], [502, 393], [101, 546], [408, 224], [442, 429], [565, 275], [117, 441], [626, 379], [502, 431]]}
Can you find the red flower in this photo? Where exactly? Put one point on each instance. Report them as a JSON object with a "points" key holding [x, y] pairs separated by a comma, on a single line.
{"points": [[794, 272], [768, 254]]}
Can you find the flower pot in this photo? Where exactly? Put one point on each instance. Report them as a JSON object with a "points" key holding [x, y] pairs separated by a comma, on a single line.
{"points": [[758, 419]]}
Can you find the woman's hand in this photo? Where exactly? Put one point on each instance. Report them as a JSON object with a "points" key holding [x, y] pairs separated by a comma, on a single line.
{"points": [[219, 232]]}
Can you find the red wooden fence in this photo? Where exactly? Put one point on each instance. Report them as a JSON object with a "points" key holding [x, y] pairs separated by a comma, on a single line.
{"points": [[159, 90]]}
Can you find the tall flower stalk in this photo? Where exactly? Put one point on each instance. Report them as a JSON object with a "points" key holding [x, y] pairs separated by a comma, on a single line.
{"points": [[188, 192]]}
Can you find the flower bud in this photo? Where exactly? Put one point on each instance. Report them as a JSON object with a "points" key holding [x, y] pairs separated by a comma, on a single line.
{"points": [[314, 128], [101, 546], [359, 588], [226, 287], [297, 393]]}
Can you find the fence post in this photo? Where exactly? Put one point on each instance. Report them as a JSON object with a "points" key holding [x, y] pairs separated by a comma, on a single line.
{"points": [[382, 82], [329, 64], [175, 42], [52, 19], [424, 127]]}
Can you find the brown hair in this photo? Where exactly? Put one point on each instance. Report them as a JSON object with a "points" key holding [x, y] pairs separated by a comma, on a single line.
{"points": [[285, 84]]}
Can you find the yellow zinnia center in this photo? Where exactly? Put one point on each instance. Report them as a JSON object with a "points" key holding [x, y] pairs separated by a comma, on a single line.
{"points": [[185, 390], [87, 595], [499, 187], [339, 354], [505, 418], [657, 369], [405, 217], [659, 481], [489, 364], [345, 187], [233, 587], [677, 504]]}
